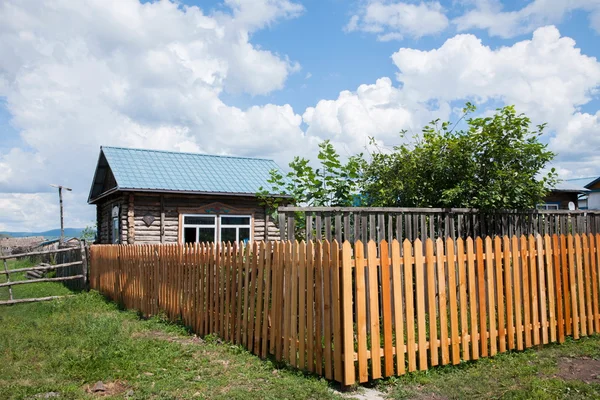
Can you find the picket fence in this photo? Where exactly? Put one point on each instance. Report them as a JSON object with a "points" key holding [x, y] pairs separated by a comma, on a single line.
{"points": [[351, 312]]}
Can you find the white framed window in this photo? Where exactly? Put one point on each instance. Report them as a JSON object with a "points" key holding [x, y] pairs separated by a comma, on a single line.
{"points": [[199, 228], [547, 206], [235, 228], [216, 228], [115, 230]]}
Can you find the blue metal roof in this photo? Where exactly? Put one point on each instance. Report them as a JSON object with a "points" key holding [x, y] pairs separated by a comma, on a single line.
{"points": [[154, 170]]}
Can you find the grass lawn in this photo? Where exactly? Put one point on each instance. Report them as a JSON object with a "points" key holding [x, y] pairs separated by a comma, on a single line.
{"points": [[66, 345], [567, 371]]}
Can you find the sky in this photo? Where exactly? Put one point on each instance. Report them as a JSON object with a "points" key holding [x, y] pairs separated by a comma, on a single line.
{"points": [[273, 78]]}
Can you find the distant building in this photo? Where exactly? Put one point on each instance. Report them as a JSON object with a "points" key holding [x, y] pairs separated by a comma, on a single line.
{"points": [[563, 196], [590, 200], [8, 244]]}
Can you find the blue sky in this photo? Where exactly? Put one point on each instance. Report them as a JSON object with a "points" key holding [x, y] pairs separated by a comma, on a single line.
{"points": [[273, 78]]}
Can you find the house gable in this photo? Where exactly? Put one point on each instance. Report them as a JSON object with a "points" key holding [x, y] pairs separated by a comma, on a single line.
{"points": [[104, 180]]}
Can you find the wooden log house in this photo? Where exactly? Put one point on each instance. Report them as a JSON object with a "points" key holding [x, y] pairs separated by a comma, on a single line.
{"points": [[149, 196]]}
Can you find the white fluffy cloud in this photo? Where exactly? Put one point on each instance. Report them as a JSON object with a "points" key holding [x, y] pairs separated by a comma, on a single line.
{"points": [[77, 75], [393, 20], [489, 15], [547, 77]]}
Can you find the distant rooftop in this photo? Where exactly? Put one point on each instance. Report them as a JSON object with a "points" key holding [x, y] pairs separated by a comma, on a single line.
{"points": [[168, 171], [573, 185]]}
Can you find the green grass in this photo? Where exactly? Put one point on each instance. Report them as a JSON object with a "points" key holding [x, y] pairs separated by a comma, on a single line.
{"points": [[30, 290], [66, 345], [531, 374]]}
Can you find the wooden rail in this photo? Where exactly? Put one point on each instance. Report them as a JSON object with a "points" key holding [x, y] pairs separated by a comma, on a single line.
{"points": [[65, 278], [48, 268], [37, 253], [357, 312]]}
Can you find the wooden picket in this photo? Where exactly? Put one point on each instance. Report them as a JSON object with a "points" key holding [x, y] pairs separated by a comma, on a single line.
{"points": [[361, 311]]}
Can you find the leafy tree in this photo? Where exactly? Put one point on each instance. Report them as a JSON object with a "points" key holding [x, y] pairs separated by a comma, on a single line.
{"points": [[88, 233], [333, 183], [496, 163]]}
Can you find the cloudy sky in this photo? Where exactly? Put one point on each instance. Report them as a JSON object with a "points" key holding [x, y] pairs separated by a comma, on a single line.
{"points": [[272, 78]]}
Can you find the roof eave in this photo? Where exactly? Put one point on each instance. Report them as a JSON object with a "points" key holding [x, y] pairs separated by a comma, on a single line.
{"points": [[165, 191], [592, 183]]}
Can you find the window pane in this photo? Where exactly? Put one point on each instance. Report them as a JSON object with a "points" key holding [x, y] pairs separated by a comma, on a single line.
{"points": [[196, 220], [235, 220], [115, 230], [244, 234], [228, 235], [206, 235], [189, 235]]}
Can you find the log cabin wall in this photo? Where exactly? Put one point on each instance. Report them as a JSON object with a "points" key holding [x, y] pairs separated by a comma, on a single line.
{"points": [[104, 217], [157, 216]]}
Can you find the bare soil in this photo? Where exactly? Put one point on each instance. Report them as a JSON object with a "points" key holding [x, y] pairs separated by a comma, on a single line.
{"points": [[583, 369]]}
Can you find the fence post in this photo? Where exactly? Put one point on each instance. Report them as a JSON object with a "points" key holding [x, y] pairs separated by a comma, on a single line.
{"points": [[84, 265], [348, 331]]}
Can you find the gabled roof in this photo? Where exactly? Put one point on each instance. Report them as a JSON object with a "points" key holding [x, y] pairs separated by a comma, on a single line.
{"points": [[593, 182], [586, 183], [166, 171]]}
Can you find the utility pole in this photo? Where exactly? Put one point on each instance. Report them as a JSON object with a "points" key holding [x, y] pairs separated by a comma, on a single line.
{"points": [[62, 226]]}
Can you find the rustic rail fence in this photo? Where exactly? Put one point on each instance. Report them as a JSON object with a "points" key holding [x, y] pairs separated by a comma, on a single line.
{"points": [[388, 223], [70, 265], [336, 312]]}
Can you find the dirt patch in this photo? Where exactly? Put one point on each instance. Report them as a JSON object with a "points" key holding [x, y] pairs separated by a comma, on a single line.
{"points": [[583, 369], [186, 340], [110, 389]]}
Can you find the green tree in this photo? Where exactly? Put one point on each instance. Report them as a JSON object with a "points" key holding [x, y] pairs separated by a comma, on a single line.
{"points": [[333, 183], [88, 233], [496, 163]]}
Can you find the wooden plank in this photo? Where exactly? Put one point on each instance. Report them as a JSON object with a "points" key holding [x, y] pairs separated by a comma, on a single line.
{"points": [[361, 311], [247, 274], [500, 300], [227, 273], [588, 284], [287, 301], [464, 314], [48, 268], [319, 309], [472, 300], [558, 289], [573, 288], [386, 292], [328, 226], [310, 308], [433, 335], [239, 292], [593, 266], [32, 300], [10, 292], [491, 311], [37, 253], [410, 307], [327, 308], [550, 282], [483, 342], [580, 291], [542, 288], [443, 316], [534, 295], [565, 262], [59, 279], [302, 307], [349, 377], [338, 317], [526, 296], [278, 317], [508, 293], [398, 315], [261, 260], [421, 311], [294, 306], [452, 288], [374, 310]]}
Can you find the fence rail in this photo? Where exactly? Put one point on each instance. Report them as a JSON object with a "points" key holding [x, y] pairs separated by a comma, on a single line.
{"points": [[355, 312], [388, 223], [72, 274]]}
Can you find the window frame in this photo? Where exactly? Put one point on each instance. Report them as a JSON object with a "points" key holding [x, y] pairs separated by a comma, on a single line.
{"points": [[198, 226], [236, 226], [217, 225], [548, 206]]}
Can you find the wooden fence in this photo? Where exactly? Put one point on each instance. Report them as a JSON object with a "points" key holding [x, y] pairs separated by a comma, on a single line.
{"points": [[388, 223], [70, 265], [351, 313]]}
